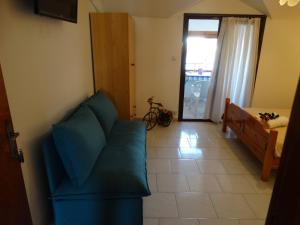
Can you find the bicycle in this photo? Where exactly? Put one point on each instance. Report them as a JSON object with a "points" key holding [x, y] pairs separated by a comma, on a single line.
{"points": [[157, 115]]}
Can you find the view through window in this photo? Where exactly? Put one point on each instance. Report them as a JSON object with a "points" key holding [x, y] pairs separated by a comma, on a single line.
{"points": [[200, 60]]}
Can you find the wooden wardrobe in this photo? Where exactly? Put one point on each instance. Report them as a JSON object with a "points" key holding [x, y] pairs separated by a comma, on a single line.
{"points": [[114, 59]]}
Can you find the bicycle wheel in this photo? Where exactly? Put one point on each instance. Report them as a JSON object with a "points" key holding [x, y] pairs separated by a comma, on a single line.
{"points": [[151, 120]]}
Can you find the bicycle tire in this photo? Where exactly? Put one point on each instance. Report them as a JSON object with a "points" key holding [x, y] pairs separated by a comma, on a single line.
{"points": [[151, 120]]}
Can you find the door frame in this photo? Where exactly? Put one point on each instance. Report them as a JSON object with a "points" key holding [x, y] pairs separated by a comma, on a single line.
{"points": [[187, 17]]}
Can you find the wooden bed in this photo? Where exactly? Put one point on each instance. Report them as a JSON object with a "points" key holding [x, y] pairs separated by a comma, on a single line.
{"points": [[252, 133]]}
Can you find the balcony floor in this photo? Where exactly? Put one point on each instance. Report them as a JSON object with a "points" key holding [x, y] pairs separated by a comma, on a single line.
{"points": [[194, 108]]}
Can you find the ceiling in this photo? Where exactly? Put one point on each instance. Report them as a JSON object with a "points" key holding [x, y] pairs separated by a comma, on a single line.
{"points": [[147, 8], [166, 8]]}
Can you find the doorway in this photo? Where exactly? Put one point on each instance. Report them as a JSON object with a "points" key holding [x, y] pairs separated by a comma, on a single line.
{"points": [[198, 59]]}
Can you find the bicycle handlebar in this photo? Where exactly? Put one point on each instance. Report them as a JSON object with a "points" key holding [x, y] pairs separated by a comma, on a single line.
{"points": [[157, 103], [150, 101]]}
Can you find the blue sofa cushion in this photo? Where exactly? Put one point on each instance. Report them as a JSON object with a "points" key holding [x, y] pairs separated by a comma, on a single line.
{"points": [[104, 110], [120, 170], [79, 141]]}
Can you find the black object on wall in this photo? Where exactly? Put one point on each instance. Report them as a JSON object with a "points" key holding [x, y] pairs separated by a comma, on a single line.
{"points": [[60, 9]]}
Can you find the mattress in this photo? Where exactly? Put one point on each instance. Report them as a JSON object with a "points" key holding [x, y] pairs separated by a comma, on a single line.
{"points": [[281, 130]]}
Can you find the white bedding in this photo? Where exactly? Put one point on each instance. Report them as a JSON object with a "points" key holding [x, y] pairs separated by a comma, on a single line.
{"points": [[281, 130]]}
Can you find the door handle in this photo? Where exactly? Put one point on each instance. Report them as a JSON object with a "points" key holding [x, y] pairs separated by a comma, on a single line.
{"points": [[12, 136]]}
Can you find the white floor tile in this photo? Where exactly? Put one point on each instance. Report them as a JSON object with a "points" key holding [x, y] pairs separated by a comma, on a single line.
{"points": [[232, 206], [172, 183], [163, 153], [260, 186], [151, 154], [172, 154], [159, 166], [217, 153], [184, 166], [235, 167], [211, 167], [195, 205], [235, 184], [259, 203], [178, 222], [167, 141], [160, 205], [200, 142], [252, 222], [203, 183], [191, 153], [218, 222], [151, 221], [152, 182]]}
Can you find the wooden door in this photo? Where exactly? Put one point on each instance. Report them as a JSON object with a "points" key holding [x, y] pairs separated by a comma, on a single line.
{"points": [[132, 79], [285, 203], [111, 58], [14, 208]]}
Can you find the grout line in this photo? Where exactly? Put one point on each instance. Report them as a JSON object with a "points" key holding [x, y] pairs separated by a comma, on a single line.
{"points": [[219, 183], [156, 183], [200, 170], [213, 205], [187, 182], [176, 201], [248, 204]]}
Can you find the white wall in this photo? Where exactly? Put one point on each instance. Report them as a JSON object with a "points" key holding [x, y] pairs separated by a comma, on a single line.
{"points": [[95, 6], [47, 71], [158, 56], [279, 66], [158, 52]]}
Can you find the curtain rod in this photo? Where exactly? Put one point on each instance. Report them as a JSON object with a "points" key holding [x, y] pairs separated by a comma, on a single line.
{"points": [[203, 15]]}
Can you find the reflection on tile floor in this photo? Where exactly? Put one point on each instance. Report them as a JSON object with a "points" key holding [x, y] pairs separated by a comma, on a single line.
{"points": [[199, 176]]}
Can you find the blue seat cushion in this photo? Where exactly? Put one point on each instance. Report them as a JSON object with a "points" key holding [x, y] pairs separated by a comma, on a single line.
{"points": [[104, 110], [120, 170], [79, 141]]}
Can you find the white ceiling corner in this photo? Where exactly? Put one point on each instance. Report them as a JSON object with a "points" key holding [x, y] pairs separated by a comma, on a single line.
{"points": [[258, 5], [147, 8]]}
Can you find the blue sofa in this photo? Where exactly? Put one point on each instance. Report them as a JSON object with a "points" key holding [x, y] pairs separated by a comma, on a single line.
{"points": [[96, 167]]}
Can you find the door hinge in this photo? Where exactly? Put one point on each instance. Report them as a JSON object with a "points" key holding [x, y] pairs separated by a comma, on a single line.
{"points": [[15, 153]]}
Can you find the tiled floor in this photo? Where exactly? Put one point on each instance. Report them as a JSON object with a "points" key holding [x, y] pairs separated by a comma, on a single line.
{"points": [[199, 176]]}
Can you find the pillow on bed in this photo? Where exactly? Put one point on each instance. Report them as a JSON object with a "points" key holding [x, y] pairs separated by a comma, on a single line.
{"points": [[281, 121]]}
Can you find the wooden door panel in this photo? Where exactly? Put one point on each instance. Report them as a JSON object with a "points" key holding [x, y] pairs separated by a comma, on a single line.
{"points": [[14, 208]]}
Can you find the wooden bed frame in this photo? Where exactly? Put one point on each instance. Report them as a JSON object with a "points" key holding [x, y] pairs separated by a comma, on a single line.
{"points": [[252, 133]]}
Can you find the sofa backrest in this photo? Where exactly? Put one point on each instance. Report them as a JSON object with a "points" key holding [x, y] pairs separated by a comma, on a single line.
{"points": [[54, 166], [104, 110]]}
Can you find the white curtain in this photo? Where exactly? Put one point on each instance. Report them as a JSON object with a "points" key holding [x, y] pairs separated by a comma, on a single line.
{"points": [[235, 66]]}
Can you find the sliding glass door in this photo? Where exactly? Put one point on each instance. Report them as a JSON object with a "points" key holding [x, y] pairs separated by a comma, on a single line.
{"points": [[198, 59]]}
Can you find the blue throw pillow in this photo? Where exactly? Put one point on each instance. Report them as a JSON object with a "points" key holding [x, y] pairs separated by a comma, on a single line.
{"points": [[104, 110], [79, 141]]}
